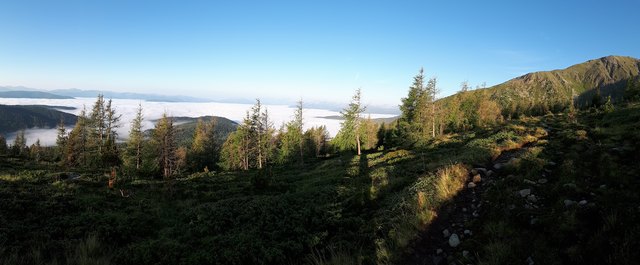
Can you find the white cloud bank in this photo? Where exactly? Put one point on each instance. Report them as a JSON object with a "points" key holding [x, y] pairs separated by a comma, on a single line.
{"points": [[279, 114]]}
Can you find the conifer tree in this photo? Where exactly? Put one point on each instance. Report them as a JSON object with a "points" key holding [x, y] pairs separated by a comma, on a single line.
{"points": [[76, 148], [3, 145], [19, 146], [133, 152], [166, 147], [110, 154], [348, 138], [61, 141], [35, 151]]}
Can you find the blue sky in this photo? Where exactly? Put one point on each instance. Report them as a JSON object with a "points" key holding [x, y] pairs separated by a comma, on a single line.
{"points": [[317, 50]]}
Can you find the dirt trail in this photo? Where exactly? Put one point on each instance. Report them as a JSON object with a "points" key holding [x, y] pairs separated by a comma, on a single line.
{"points": [[459, 217]]}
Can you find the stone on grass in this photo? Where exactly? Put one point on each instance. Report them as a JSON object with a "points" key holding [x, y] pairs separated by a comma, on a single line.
{"points": [[569, 203], [439, 251], [471, 185], [454, 240], [468, 232], [477, 178], [583, 203], [530, 182], [542, 181], [465, 253], [446, 233], [532, 198], [524, 192]]}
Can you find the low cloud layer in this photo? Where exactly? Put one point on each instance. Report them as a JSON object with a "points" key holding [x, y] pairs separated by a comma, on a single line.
{"points": [[279, 114]]}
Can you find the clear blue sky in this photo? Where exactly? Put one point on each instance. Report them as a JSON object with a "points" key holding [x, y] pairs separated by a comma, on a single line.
{"points": [[318, 50]]}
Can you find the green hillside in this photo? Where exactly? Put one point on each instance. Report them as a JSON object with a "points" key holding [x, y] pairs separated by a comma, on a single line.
{"points": [[14, 118], [186, 126], [539, 92]]}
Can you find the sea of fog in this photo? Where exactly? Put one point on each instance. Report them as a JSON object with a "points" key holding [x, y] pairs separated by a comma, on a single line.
{"points": [[279, 114]]}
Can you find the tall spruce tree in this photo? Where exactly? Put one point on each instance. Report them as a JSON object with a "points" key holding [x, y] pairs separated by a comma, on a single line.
{"points": [[133, 153], [348, 138], [19, 147], [166, 146], [3, 145], [61, 141], [77, 142]]}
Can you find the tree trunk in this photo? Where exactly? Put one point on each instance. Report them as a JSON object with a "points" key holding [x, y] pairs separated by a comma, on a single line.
{"points": [[358, 142]]}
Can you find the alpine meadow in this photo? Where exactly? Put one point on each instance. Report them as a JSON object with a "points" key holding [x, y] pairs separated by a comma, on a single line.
{"points": [[319, 133]]}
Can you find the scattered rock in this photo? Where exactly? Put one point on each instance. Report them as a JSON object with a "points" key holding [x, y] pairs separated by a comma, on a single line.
{"points": [[454, 240], [533, 221], [439, 251], [583, 203], [477, 178], [475, 214], [446, 233], [465, 253], [603, 186], [464, 209], [468, 232], [530, 261], [570, 185], [551, 163], [524, 193], [471, 185], [481, 170], [530, 182], [542, 181], [497, 166], [489, 173], [569, 203], [474, 171], [532, 198], [512, 207], [438, 260], [512, 161]]}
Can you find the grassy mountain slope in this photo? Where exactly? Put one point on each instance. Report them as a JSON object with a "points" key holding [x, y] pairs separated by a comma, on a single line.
{"points": [[31, 94], [14, 118], [540, 92]]}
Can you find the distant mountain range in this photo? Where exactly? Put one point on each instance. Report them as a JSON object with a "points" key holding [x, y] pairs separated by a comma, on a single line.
{"points": [[15, 118], [31, 94]]}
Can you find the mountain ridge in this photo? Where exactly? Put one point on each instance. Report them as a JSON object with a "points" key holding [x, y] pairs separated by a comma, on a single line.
{"points": [[543, 91]]}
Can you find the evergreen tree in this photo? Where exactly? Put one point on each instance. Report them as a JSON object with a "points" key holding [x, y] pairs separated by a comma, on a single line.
{"points": [[19, 147], [381, 135], [205, 148], [292, 138], [110, 153], [317, 137], [632, 90], [297, 124], [35, 151], [3, 145], [133, 153], [368, 133], [77, 142], [166, 147], [61, 141], [410, 103], [234, 153], [348, 138]]}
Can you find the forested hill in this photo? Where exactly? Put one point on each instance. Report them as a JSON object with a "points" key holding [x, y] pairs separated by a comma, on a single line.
{"points": [[539, 92], [186, 127], [14, 118]]}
